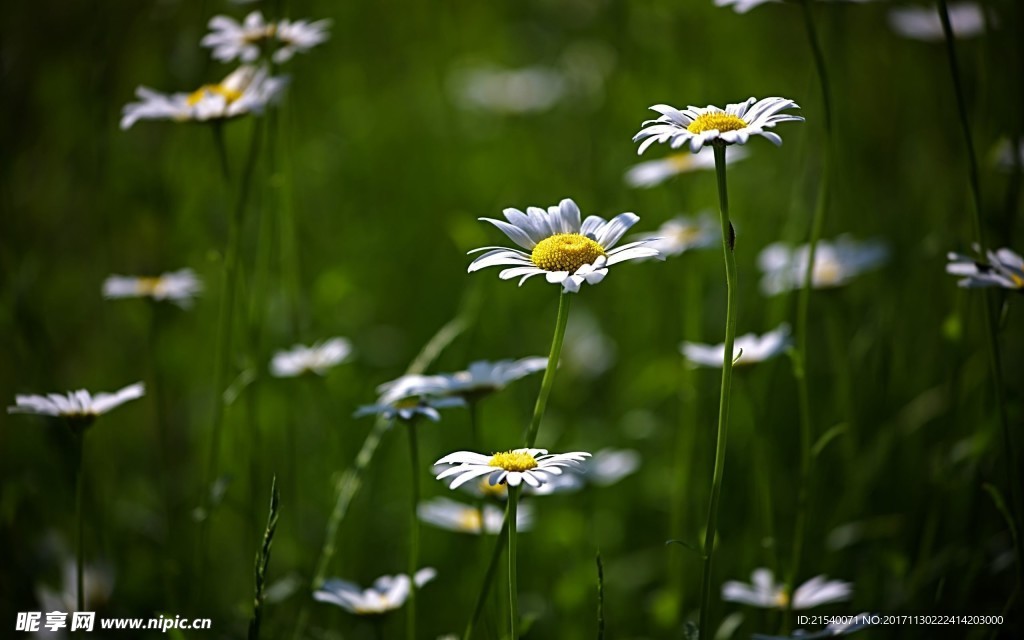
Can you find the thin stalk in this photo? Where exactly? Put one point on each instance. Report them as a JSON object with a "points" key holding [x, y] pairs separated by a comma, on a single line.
{"points": [[513, 591], [549, 372], [79, 527], [492, 569], [414, 530], [728, 246]]}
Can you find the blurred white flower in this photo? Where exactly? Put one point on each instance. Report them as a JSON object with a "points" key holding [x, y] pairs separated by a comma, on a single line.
{"points": [[609, 466], [923, 23], [247, 89], [651, 173], [750, 347], [743, 6], [532, 466], [79, 406], [587, 351], [97, 582], [765, 593], [315, 359], [480, 378], [180, 287], [1005, 153], [244, 41], [409, 397], [1004, 269], [508, 91], [835, 264], [387, 593], [562, 249], [699, 126], [455, 516], [683, 233]]}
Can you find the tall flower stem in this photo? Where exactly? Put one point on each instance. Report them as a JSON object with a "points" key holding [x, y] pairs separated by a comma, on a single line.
{"points": [[79, 519], [728, 246], [414, 529], [992, 340], [513, 592]]}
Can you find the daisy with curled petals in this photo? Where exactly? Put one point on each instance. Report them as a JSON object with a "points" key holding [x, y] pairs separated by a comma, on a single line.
{"points": [[409, 397], [764, 592], [246, 90], [462, 518], [80, 407], [180, 287], [246, 40], [1004, 269], [387, 593], [561, 247], [747, 349], [314, 359], [653, 172], [699, 126]]}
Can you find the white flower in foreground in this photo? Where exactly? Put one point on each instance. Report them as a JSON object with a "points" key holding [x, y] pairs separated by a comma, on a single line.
{"points": [[565, 251], [79, 406], [246, 90], [651, 173], [508, 91], [245, 41], [1004, 269], [180, 287], [749, 348], [923, 23], [532, 466], [409, 397], [455, 516], [699, 126], [315, 359], [743, 6], [387, 593], [681, 234], [835, 264], [764, 592]]}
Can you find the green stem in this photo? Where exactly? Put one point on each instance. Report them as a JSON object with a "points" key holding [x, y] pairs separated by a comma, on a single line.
{"points": [[549, 372], [492, 569], [513, 592], [414, 530], [79, 527]]}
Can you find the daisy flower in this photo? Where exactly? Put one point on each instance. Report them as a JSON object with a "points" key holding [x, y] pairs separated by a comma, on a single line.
{"points": [[653, 172], [455, 516], [924, 23], [532, 466], [97, 583], [565, 251], [697, 126], [483, 377], [508, 91], [180, 287], [750, 348], [1004, 269], [77, 406], [765, 593], [409, 397], [681, 234], [387, 593], [315, 359], [743, 6], [247, 89], [245, 41], [835, 264]]}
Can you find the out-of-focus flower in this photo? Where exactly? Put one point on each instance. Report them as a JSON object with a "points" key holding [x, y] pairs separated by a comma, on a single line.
{"points": [[479, 379], [750, 347], [97, 582], [609, 466], [923, 23], [409, 397], [699, 126], [532, 466], [76, 406], [562, 249], [835, 264], [455, 516], [1009, 154], [1004, 269], [508, 91], [587, 351], [247, 89], [387, 593], [683, 233], [764, 592], [315, 359], [743, 6], [246, 40], [653, 172], [180, 287]]}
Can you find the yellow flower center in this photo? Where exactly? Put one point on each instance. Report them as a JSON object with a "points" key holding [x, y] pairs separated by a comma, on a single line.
{"points": [[782, 599], [680, 161], [716, 121], [230, 95], [566, 252], [493, 490], [513, 461], [148, 286], [471, 521], [407, 403], [1017, 281], [827, 273]]}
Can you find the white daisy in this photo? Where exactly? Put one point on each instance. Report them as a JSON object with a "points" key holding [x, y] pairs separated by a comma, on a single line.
{"points": [[247, 89], [78, 406], [765, 593], [482, 488], [835, 264], [743, 6], [923, 23], [315, 359], [1004, 269], [609, 466], [409, 397], [683, 233], [532, 466], [299, 36], [508, 91], [697, 126], [245, 41], [481, 378], [180, 287], [565, 251], [455, 516], [653, 172], [750, 348], [387, 593]]}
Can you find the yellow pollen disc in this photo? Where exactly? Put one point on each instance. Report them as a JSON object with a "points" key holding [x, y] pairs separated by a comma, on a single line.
{"points": [[680, 161], [1017, 281], [566, 252], [716, 122], [513, 461], [407, 403], [228, 94], [148, 286], [470, 520], [493, 490], [827, 273], [782, 599]]}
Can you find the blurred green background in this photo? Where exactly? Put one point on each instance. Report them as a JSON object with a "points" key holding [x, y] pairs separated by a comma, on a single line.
{"points": [[386, 170]]}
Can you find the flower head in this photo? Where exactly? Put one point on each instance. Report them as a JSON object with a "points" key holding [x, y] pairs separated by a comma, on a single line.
{"points": [[455, 516], [79, 407], [764, 592], [409, 397], [743, 6], [180, 287], [699, 126], [524, 90], [387, 593], [247, 89], [532, 466], [682, 234], [651, 173], [246, 40], [565, 251], [923, 23], [835, 264], [314, 359], [747, 349], [479, 379], [1004, 269]]}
